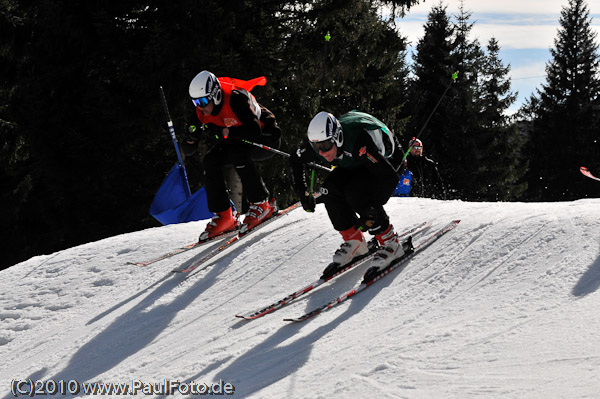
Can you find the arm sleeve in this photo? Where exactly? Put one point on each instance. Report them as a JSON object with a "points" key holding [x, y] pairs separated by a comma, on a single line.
{"points": [[385, 177], [241, 107]]}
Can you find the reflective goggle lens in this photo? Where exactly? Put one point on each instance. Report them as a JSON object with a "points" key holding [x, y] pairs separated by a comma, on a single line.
{"points": [[201, 102], [324, 146]]}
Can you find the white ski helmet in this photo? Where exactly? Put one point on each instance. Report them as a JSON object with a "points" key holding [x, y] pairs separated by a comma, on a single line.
{"points": [[325, 130], [205, 87]]}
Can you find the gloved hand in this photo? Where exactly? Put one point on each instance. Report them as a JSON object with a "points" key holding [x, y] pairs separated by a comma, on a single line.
{"points": [[189, 143], [188, 148], [191, 136], [308, 202]]}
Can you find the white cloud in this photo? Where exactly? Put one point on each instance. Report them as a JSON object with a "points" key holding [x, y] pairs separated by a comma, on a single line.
{"points": [[508, 36], [534, 70], [494, 6], [534, 25], [516, 36]]}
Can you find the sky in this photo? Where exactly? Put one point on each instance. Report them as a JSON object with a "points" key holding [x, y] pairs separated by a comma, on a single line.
{"points": [[525, 30], [504, 306]]}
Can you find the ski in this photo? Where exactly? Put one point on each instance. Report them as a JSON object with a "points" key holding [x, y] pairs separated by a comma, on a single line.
{"points": [[236, 238], [395, 264], [587, 173], [186, 248], [322, 280]]}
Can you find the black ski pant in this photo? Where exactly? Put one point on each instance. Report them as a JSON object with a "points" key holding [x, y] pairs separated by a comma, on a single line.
{"points": [[242, 157], [350, 194]]}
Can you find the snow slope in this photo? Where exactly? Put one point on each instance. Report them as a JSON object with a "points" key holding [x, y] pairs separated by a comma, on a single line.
{"points": [[504, 306]]}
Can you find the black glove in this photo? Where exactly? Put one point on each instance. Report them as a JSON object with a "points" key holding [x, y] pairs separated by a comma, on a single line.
{"points": [[192, 135], [188, 147], [308, 202]]}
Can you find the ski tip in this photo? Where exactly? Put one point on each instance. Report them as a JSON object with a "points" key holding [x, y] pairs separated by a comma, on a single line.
{"points": [[239, 316]]}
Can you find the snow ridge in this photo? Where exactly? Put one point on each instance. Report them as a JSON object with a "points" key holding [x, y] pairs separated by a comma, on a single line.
{"points": [[506, 305]]}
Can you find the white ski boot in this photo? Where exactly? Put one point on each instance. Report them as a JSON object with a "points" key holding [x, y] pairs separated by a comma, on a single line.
{"points": [[390, 248], [354, 245]]}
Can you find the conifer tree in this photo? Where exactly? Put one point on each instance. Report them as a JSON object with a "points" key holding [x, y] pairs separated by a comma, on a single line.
{"points": [[498, 139], [432, 68], [463, 152], [564, 113], [470, 134], [444, 49]]}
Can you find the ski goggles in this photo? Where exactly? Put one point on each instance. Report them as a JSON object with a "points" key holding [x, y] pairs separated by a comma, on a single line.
{"points": [[324, 146], [417, 147], [201, 102]]}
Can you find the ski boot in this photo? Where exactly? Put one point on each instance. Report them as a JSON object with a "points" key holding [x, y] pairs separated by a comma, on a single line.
{"points": [[390, 249], [354, 245], [222, 222], [258, 212]]}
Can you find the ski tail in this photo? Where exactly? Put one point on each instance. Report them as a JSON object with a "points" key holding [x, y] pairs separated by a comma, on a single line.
{"points": [[236, 238], [183, 249]]}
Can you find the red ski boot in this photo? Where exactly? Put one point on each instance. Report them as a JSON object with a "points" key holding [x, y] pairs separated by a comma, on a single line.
{"points": [[258, 212], [221, 223]]}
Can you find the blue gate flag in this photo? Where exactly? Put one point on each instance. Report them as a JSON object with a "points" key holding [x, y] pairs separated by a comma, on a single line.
{"points": [[403, 187], [173, 203]]}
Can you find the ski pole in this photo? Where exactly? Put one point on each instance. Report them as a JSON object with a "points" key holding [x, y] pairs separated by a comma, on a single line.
{"points": [[285, 154], [327, 38], [454, 77], [172, 132]]}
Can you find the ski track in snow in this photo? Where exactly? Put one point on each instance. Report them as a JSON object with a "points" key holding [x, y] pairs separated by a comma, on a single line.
{"points": [[504, 306]]}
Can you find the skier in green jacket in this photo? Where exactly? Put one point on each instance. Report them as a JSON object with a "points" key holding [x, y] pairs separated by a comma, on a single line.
{"points": [[362, 149]]}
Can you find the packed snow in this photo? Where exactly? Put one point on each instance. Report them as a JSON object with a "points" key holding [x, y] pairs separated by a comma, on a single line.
{"points": [[504, 306]]}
